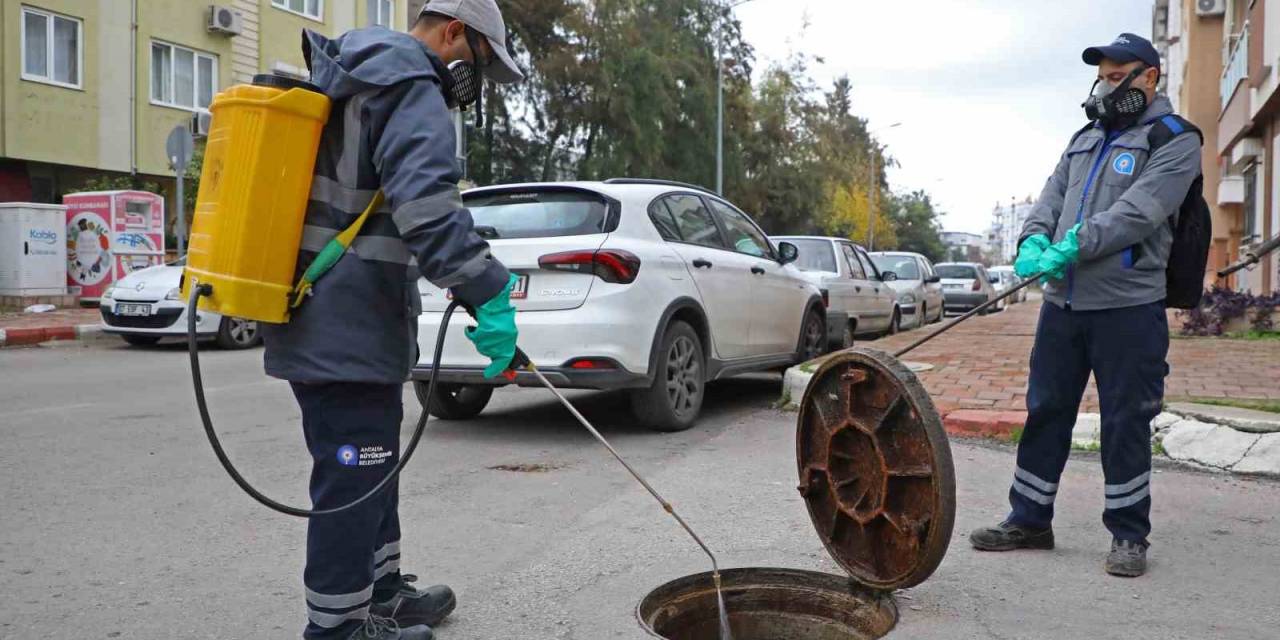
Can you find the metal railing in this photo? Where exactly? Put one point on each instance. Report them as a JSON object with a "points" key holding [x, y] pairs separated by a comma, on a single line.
{"points": [[1237, 66]]}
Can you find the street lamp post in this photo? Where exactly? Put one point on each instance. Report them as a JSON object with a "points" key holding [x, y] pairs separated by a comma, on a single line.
{"points": [[720, 96], [873, 192]]}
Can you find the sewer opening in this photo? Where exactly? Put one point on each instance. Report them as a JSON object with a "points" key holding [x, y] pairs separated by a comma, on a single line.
{"points": [[768, 604]]}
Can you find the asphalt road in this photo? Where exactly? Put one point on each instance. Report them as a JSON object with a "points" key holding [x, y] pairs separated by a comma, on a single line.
{"points": [[118, 523]]}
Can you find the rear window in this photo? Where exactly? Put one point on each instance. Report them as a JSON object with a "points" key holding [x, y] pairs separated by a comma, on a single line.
{"points": [[815, 255], [538, 214], [904, 267], [956, 272]]}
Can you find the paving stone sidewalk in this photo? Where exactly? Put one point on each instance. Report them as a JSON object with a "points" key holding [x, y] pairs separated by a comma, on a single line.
{"points": [[982, 364], [62, 324]]}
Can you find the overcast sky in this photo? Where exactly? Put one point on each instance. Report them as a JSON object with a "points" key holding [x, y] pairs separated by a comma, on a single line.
{"points": [[988, 91]]}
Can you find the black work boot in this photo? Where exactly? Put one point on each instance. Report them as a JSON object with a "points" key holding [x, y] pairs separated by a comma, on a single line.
{"points": [[1127, 559], [380, 628], [409, 606], [1007, 536]]}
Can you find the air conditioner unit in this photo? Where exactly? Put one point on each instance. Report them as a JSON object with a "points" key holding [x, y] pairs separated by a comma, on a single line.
{"points": [[225, 20], [1211, 7], [200, 124]]}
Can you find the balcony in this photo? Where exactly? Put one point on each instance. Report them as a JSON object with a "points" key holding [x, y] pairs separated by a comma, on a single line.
{"points": [[1236, 68]]}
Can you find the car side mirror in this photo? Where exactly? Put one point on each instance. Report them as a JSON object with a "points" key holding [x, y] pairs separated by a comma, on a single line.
{"points": [[932, 280], [993, 279], [787, 253], [888, 276]]}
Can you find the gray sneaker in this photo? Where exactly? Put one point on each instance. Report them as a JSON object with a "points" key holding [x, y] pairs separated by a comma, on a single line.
{"points": [[1127, 559], [1007, 537], [379, 628]]}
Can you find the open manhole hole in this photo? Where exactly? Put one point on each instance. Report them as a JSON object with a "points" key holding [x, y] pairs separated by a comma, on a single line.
{"points": [[876, 475]]}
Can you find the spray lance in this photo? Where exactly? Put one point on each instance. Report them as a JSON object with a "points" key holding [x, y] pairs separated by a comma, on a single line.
{"points": [[1252, 257]]}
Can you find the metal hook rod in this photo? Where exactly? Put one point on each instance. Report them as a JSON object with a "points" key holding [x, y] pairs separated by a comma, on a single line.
{"points": [[973, 312]]}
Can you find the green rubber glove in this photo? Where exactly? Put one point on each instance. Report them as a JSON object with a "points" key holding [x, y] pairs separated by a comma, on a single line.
{"points": [[1066, 252], [495, 337], [1028, 262]]}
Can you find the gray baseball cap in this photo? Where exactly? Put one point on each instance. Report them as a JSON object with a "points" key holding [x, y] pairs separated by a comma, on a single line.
{"points": [[485, 17]]}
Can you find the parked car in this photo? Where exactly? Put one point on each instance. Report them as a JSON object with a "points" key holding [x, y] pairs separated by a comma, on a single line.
{"points": [[1009, 280], [147, 305], [965, 285], [649, 286], [859, 302], [919, 289]]}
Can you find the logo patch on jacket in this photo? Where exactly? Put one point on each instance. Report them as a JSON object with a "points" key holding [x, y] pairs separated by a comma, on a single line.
{"points": [[1123, 164]]}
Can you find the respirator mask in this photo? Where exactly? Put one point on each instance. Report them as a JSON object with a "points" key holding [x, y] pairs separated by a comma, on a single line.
{"points": [[464, 82], [1119, 106]]}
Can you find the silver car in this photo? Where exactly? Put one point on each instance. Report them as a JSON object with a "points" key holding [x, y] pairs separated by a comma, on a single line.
{"points": [[919, 289], [965, 285], [859, 302]]}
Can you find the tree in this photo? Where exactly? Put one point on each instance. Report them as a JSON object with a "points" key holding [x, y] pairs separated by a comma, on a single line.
{"points": [[915, 223]]}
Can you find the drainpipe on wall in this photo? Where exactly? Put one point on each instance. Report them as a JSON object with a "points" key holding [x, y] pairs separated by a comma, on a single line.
{"points": [[133, 91]]}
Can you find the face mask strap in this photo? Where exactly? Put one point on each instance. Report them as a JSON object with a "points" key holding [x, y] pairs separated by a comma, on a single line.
{"points": [[473, 41]]}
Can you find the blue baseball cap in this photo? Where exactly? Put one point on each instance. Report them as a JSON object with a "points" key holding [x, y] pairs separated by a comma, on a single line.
{"points": [[1126, 48]]}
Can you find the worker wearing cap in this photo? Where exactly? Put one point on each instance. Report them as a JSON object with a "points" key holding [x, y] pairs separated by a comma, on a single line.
{"points": [[349, 347], [1102, 232]]}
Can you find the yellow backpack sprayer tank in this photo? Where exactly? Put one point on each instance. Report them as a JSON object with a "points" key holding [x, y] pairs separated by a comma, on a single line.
{"points": [[252, 202]]}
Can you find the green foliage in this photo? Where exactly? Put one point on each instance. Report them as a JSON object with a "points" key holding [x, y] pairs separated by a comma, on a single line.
{"points": [[624, 88]]}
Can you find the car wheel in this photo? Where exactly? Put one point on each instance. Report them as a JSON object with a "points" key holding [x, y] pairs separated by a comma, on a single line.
{"points": [[674, 399], [454, 401], [237, 333], [811, 336], [141, 341], [895, 323]]}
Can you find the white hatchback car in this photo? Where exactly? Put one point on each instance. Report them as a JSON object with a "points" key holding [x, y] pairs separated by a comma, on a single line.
{"points": [[652, 286], [859, 302], [919, 289], [147, 305]]}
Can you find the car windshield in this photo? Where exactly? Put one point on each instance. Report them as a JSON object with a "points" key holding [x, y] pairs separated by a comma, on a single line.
{"points": [[902, 266], [815, 255], [956, 272], [538, 214]]}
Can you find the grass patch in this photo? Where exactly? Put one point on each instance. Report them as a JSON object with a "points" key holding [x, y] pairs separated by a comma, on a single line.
{"points": [[1092, 446], [1016, 435], [809, 367], [1272, 406], [1157, 449], [784, 400], [1254, 335]]}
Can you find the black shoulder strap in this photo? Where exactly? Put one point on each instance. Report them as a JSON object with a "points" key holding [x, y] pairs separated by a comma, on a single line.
{"points": [[1169, 127]]}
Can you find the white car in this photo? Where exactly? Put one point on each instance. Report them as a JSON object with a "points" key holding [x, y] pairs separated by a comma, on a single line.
{"points": [[1008, 280], [919, 289], [859, 301], [651, 286], [147, 305]]}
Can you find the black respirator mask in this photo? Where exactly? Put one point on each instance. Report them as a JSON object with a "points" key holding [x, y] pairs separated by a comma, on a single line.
{"points": [[464, 82], [1119, 106]]}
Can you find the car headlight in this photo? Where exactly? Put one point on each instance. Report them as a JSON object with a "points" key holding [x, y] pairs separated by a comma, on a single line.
{"points": [[908, 298], [109, 293], [174, 294]]}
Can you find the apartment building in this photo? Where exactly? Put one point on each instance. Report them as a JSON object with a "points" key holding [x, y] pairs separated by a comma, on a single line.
{"points": [[92, 87], [1221, 73], [1006, 229]]}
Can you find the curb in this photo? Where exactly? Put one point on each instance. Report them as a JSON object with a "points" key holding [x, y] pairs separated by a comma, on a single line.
{"points": [[984, 423], [36, 335]]}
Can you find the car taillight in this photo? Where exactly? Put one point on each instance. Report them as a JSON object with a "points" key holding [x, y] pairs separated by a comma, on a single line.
{"points": [[611, 265], [826, 299], [977, 285], [592, 363]]}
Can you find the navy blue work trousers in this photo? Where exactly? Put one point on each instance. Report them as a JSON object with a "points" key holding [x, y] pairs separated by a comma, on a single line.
{"points": [[1125, 350]]}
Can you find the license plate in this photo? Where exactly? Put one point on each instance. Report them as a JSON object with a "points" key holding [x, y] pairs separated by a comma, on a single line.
{"points": [[518, 292], [521, 290], [133, 309]]}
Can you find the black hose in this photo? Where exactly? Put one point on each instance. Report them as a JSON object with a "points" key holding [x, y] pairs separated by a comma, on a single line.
{"points": [[197, 381]]}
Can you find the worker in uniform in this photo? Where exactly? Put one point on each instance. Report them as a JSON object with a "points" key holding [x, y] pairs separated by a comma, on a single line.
{"points": [[349, 348], [1102, 230]]}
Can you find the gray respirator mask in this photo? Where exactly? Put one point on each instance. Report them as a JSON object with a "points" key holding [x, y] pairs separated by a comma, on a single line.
{"points": [[1116, 107]]}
